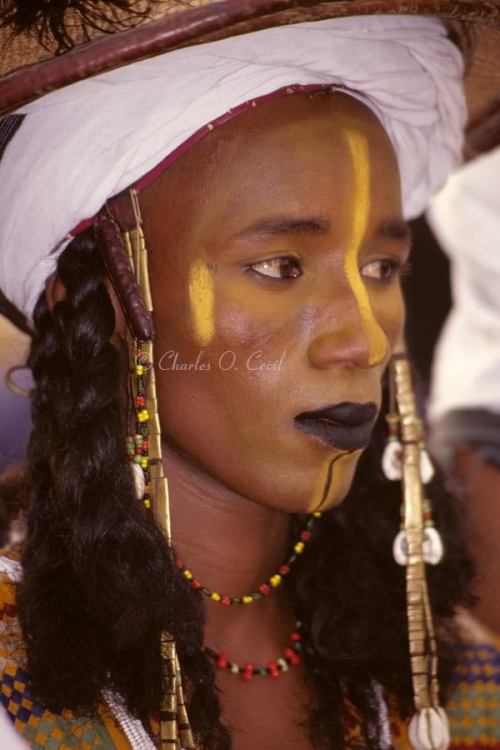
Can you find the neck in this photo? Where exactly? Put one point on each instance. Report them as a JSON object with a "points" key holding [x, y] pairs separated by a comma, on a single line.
{"points": [[230, 542]]}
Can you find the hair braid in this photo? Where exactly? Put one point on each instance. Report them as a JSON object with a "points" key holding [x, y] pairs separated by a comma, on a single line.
{"points": [[99, 582]]}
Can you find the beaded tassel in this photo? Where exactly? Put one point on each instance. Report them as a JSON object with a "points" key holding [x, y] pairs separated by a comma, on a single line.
{"points": [[428, 728], [145, 449]]}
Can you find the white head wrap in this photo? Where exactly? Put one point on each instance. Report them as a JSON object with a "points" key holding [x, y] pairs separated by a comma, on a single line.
{"points": [[85, 143], [466, 219]]}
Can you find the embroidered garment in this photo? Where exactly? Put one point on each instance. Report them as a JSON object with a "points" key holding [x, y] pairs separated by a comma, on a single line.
{"points": [[474, 709]]}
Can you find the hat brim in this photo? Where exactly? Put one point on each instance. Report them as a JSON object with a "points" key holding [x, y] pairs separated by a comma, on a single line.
{"points": [[32, 69]]}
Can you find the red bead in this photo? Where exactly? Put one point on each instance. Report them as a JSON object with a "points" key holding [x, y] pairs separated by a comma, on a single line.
{"points": [[264, 588], [305, 536], [292, 656], [179, 563], [195, 584], [222, 660], [247, 673], [295, 637], [226, 601], [145, 446], [274, 672], [140, 401], [284, 570]]}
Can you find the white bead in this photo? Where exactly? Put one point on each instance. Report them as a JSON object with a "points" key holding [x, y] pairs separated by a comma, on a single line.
{"points": [[426, 467], [283, 664], [429, 730], [139, 482], [392, 459], [132, 728]]}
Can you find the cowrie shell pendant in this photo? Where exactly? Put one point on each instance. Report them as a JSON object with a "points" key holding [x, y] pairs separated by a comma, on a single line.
{"points": [[432, 548], [392, 460], [429, 730]]}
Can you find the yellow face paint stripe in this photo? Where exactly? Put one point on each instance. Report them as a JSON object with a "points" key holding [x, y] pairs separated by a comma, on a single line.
{"points": [[358, 147], [201, 298]]}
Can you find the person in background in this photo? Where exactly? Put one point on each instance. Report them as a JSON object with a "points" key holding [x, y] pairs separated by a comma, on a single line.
{"points": [[464, 415]]}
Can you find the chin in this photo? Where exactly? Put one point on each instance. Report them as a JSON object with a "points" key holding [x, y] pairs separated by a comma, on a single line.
{"points": [[334, 480]]}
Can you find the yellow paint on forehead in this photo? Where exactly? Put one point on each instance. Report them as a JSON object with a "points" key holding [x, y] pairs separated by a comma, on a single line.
{"points": [[202, 301], [360, 158]]}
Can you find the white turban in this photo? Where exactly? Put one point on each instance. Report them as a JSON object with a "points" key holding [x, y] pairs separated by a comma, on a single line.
{"points": [[465, 216], [81, 145]]}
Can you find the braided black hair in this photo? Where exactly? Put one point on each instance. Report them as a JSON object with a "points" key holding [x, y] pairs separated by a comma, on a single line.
{"points": [[99, 582]]}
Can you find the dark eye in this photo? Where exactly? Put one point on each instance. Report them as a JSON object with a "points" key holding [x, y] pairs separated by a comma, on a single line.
{"points": [[278, 268], [381, 270]]}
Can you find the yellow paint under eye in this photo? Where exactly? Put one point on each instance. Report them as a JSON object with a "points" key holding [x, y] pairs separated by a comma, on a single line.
{"points": [[201, 298], [360, 158]]}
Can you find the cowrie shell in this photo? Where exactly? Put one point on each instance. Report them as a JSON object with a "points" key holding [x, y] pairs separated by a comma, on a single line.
{"points": [[432, 548], [426, 467], [392, 460], [429, 730]]}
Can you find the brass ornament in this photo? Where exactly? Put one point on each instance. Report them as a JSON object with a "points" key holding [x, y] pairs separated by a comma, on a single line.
{"points": [[428, 728], [175, 730]]}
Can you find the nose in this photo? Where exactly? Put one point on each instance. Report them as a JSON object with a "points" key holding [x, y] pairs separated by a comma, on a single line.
{"points": [[345, 332]]}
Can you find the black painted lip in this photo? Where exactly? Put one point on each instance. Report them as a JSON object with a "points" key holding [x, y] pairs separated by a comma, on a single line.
{"points": [[347, 425]]}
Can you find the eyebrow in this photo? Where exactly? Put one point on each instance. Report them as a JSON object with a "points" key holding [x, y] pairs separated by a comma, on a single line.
{"points": [[285, 225], [394, 229]]}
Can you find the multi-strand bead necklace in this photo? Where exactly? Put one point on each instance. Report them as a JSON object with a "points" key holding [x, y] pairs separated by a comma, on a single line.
{"points": [[291, 654]]}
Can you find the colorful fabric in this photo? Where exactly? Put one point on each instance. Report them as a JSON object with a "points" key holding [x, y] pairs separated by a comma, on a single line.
{"points": [[474, 709]]}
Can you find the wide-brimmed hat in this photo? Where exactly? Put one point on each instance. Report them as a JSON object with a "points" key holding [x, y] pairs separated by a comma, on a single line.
{"points": [[45, 46]]}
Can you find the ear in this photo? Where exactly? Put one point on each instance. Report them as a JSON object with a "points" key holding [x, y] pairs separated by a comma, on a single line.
{"points": [[55, 290]]}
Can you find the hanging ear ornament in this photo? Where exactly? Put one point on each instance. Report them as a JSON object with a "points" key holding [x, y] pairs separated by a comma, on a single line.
{"points": [[428, 728], [121, 240], [392, 457]]}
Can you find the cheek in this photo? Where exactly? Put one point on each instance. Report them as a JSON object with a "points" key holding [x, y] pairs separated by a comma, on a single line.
{"points": [[389, 310]]}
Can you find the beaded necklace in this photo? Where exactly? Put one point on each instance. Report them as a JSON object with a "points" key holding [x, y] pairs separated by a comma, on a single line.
{"points": [[291, 657], [273, 582]]}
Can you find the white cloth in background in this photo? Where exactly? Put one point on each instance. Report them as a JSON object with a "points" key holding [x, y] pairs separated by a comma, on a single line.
{"points": [[87, 142], [465, 216]]}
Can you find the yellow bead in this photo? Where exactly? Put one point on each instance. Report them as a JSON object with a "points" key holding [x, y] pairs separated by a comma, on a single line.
{"points": [[247, 599], [275, 580], [317, 514], [143, 415], [147, 503], [144, 463], [215, 596], [299, 547], [187, 574], [139, 370]]}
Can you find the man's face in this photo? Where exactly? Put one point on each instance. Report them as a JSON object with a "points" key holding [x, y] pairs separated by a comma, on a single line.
{"points": [[275, 246]]}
